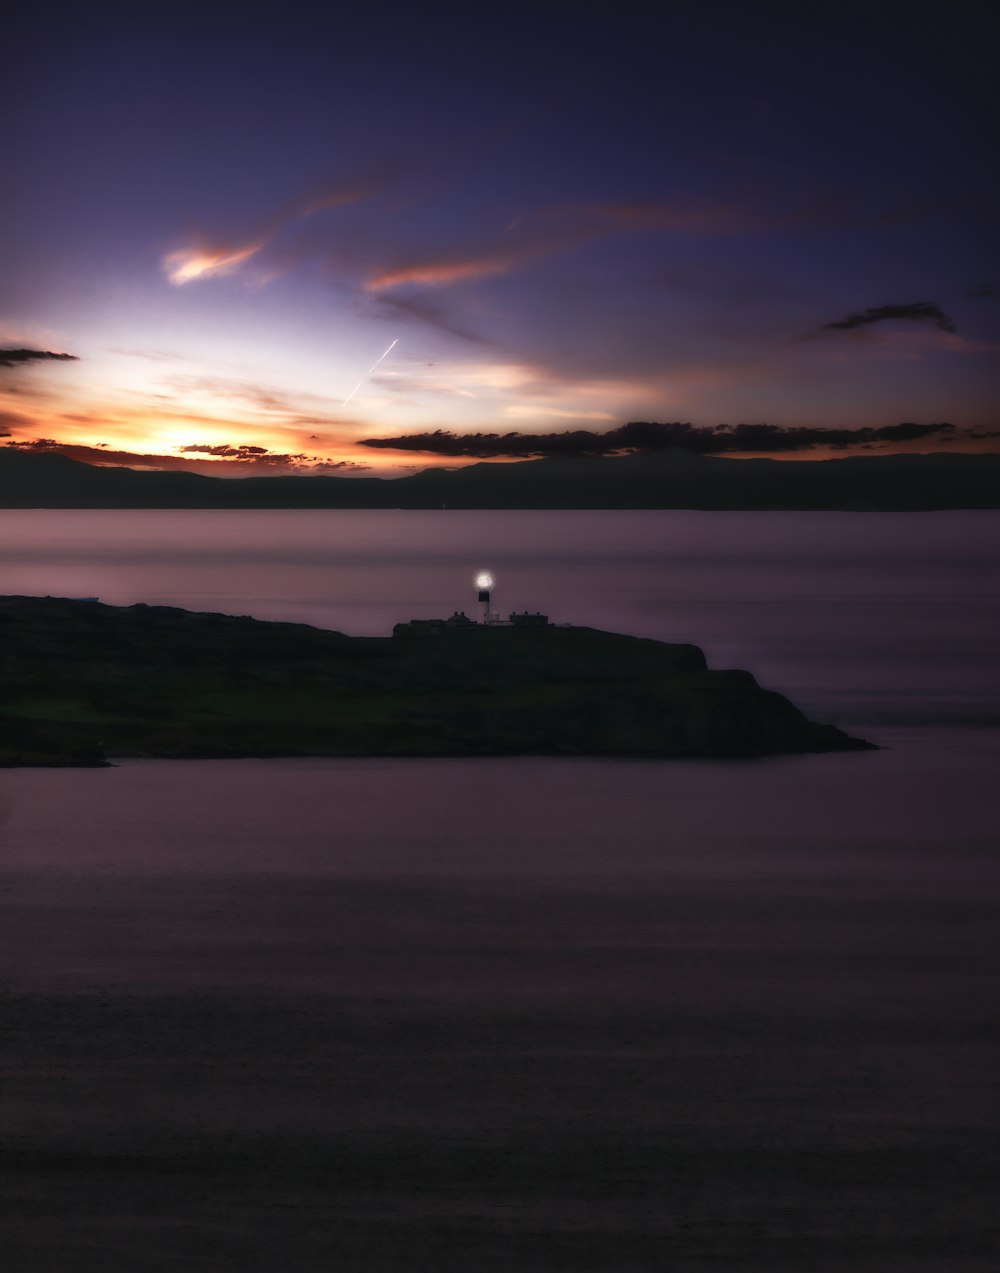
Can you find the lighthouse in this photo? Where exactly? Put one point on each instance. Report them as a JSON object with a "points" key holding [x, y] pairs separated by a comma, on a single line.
{"points": [[484, 585]]}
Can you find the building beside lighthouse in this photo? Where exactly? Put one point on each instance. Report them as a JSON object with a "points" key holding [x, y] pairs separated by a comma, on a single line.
{"points": [[486, 617]]}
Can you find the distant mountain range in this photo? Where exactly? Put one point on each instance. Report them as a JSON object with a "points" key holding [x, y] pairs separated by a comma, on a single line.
{"points": [[665, 479]]}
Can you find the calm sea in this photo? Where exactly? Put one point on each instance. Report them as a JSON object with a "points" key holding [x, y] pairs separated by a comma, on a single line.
{"points": [[521, 1014]]}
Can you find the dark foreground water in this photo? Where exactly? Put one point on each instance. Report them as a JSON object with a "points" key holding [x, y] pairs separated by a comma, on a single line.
{"points": [[536, 1014]]}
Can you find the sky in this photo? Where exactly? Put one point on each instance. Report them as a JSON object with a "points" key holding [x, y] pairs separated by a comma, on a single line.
{"points": [[269, 238]]}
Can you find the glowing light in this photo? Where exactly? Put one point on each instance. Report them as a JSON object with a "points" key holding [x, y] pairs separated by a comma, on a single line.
{"points": [[484, 580]]}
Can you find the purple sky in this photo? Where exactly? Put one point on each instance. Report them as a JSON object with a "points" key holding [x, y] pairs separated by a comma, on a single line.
{"points": [[563, 222]]}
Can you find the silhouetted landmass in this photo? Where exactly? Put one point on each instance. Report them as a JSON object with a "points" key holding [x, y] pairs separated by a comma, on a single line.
{"points": [[81, 681], [666, 479]]}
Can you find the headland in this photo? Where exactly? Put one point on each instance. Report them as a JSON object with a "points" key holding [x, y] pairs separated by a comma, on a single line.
{"points": [[82, 682]]}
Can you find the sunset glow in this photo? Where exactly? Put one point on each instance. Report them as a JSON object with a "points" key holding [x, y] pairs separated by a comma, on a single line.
{"points": [[629, 903], [576, 258]]}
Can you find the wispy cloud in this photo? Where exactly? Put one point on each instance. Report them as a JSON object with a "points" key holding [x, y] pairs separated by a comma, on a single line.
{"points": [[206, 259], [188, 264], [897, 344], [245, 403], [507, 388], [429, 312], [150, 355], [442, 270], [14, 418], [532, 410], [385, 272], [550, 231]]}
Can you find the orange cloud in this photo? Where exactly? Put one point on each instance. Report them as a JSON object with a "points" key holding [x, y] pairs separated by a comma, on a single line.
{"points": [[554, 230], [187, 265], [439, 273], [442, 271]]}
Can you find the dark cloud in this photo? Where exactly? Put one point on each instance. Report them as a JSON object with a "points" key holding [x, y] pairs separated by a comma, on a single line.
{"points": [[228, 451], [240, 461], [434, 315], [916, 312], [981, 290], [15, 357], [646, 437], [36, 444]]}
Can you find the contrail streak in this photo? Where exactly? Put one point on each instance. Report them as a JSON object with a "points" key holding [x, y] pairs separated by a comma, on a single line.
{"points": [[369, 372]]}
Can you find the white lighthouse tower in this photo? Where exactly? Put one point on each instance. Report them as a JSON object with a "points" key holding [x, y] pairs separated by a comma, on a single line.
{"points": [[484, 584]]}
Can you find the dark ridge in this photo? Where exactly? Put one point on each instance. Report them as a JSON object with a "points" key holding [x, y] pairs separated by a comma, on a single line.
{"points": [[664, 479]]}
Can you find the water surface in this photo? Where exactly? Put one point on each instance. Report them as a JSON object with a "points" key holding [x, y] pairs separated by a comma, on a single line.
{"points": [[862, 616], [538, 1014]]}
